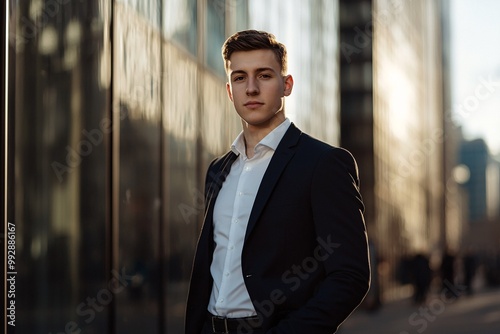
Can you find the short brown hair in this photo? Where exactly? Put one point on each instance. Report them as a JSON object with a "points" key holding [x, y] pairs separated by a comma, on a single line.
{"points": [[249, 40]]}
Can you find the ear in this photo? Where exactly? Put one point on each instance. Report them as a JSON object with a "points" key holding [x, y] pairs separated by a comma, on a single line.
{"points": [[288, 83], [229, 93]]}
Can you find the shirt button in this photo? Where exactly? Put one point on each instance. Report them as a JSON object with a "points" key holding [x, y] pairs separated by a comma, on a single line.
{"points": [[231, 247], [221, 300], [227, 274], [236, 221], [240, 193], [248, 169]]}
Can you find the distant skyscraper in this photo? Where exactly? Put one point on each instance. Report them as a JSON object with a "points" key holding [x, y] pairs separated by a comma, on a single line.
{"points": [[474, 154]]}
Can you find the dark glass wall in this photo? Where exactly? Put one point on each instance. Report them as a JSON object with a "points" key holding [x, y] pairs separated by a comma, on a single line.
{"points": [[136, 175], [174, 118], [115, 117], [60, 193]]}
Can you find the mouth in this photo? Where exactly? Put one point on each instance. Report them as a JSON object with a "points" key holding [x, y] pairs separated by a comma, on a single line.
{"points": [[253, 104]]}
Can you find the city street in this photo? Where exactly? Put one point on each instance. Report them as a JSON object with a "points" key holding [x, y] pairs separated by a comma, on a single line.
{"points": [[479, 313]]}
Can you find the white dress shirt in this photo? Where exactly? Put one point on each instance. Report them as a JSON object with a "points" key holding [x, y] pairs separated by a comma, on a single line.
{"points": [[232, 210]]}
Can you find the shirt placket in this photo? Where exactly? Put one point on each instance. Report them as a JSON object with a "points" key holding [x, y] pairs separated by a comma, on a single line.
{"points": [[234, 242]]}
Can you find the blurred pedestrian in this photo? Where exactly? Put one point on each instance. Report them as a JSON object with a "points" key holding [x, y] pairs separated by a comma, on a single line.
{"points": [[422, 275], [469, 266], [283, 247], [448, 271]]}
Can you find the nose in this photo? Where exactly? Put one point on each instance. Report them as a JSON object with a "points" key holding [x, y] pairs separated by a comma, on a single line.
{"points": [[252, 87]]}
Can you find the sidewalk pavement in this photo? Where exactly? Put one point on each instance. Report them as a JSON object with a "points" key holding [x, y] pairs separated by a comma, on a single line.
{"points": [[440, 314]]}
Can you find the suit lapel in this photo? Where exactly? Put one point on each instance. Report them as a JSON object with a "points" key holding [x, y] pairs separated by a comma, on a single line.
{"points": [[284, 152], [219, 176]]}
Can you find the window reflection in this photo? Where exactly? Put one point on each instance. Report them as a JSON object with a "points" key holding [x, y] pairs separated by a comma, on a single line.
{"points": [[60, 186], [137, 83], [215, 34], [180, 23], [149, 9], [139, 211]]}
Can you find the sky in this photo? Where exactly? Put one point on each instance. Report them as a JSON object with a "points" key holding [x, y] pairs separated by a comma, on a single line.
{"points": [[475, 67]]}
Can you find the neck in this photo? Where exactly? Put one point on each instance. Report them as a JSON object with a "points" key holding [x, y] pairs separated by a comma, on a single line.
{"points": [[255, 133]]}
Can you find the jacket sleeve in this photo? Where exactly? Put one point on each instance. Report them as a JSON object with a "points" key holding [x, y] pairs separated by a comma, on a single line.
{"points": [[201, 279], [337, 210]]}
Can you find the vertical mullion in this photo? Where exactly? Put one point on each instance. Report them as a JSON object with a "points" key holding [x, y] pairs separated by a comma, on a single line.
{"points": [[161, 228], [7, 124], [4, 58], [112, 164]]}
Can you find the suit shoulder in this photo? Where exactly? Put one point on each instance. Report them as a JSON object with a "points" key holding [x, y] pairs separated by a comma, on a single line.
{"points": [[330, 155], [322, 147]]}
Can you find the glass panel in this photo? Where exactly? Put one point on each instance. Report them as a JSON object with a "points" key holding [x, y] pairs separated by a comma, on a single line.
{"points": [[240, 13], [236, 15], [183, 200], [61, 125], [216, 22], [137, 82], [198, 125], [149, 9], [180, 23]]}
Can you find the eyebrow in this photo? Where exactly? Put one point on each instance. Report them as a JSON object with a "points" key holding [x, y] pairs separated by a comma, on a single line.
{"points": [[260, 69]]}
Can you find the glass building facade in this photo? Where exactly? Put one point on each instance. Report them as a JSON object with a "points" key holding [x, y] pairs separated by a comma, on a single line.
{"points": [[392, 119], [408, 122], [113, 110]]}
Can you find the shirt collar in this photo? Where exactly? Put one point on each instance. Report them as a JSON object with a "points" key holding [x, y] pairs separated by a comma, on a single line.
{"points": [[271, 140]]}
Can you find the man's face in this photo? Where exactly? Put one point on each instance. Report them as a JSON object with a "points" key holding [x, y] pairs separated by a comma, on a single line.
{"points": [[256, 86]]}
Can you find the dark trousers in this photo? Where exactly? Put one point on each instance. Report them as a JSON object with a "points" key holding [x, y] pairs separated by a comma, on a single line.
{"points": [[207, 329]]}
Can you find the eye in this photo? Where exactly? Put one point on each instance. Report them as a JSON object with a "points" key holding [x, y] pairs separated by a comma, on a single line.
{"points": [[265, 76], [238, 78]]}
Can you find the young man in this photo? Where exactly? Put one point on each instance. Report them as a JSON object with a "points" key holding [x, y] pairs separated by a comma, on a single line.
{"points": [[283, 247]]}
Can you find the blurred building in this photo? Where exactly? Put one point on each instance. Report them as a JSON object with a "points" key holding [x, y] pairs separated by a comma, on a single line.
{"points": [[493, 189], [356, 93], [482, 189], [475, 156], [114, 110], [455, 199], [310, 32], [393, 122]]}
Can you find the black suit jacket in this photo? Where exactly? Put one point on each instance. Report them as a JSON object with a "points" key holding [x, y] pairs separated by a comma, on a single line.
{"points": [[305, 258]]}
